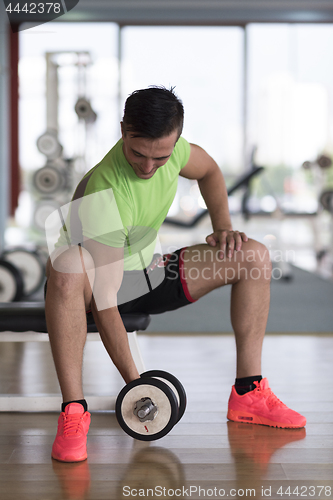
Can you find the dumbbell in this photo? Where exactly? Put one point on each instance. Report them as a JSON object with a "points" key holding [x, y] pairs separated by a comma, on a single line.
{"points": [[149, 407]]}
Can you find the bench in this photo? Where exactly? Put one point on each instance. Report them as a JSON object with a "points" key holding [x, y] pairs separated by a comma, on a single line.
{"points": [[25, 321]]}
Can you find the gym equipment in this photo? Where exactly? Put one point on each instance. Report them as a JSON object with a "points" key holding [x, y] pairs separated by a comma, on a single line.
{"points": [[11, 282], [25, 321], [326, 199], [43, 209], [243, 181], [147, 408], [49, 145], [43, 254], [325, 255], [84, 110], [48, 180], [59, 176], [30, 316], [30, 265], [175, 385], [323, 161], [319, 169]]}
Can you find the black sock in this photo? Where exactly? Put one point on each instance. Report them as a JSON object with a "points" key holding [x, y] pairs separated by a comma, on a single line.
{"points": [[246, 384], [82, 402]]}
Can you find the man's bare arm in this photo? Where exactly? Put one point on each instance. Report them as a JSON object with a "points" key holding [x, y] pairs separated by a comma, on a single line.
{"points": [[205, 170], [106, 279]]}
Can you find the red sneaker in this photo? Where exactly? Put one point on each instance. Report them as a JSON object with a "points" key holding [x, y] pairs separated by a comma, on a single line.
{"points": [[261, 406], [70, 444]]}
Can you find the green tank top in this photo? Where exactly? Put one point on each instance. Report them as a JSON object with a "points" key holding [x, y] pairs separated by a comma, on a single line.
{"points": [[115, 207]]}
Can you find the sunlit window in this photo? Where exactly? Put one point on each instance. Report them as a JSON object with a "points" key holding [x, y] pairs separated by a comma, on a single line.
{"points": [[290, 112], [290, 92], [205, 67], [288, 98], [96, 80]]}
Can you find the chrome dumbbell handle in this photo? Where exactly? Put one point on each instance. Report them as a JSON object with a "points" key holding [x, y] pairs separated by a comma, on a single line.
{"points": [[145, 409]]}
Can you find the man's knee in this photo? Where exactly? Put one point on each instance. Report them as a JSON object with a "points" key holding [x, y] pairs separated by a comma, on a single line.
{"points": [[257, 261], [75, 260], [66, 271]]}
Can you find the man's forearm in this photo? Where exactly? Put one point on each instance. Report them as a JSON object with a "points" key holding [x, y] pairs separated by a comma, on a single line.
{"points": [[115, 339], [214, 192]]}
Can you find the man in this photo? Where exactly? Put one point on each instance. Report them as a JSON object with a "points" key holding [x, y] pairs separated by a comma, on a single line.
{"points": [[116, 212]]}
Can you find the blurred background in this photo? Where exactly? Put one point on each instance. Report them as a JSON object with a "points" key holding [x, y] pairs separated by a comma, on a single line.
{"points": [[257, 88], [256, 81]]}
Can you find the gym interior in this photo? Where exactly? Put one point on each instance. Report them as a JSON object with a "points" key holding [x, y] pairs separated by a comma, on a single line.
{"points": [[256, 82]]}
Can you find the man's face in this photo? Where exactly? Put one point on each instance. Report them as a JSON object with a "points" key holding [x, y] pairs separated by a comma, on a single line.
{"points": [[147, 155]]}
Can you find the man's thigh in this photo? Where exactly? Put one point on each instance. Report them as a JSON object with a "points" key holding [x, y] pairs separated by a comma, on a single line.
{"points": [[168, 287], [205, 271], [73, 265]]}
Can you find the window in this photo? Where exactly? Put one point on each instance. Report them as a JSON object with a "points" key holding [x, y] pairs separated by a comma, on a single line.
{"points": [[290, 110], [290, 92], [205, 65], [100, 87]]}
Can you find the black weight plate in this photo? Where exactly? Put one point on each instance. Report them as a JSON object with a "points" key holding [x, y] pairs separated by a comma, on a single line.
{"points": [[16, 282], [29, 263], [160, 374], [160, 386], [47, 180], [326, 199]]}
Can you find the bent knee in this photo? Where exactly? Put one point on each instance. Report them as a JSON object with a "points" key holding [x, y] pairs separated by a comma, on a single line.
{"points": [[256, 256], [74, 260], [259, 250]]}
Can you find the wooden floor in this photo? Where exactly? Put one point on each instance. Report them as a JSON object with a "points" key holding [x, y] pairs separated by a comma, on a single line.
{"points": [[204, 456]]}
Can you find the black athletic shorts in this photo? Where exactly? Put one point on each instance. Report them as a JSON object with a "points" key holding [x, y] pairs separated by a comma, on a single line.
{"points": [[159, 288]]}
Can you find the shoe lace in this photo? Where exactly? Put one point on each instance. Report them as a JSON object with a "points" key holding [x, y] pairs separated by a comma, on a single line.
{"points": [[272, 400], [72, 424]]}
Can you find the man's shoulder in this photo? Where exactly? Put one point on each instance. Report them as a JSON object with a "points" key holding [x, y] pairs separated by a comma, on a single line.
{"points": [[106, 172], [114, 155], [182, 143], [181, 152]]}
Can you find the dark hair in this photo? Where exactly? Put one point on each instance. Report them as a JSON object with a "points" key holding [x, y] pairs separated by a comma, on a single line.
{"points": [[154, 112]]}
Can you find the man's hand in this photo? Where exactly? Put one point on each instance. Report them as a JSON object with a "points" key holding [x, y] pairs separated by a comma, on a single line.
{"points": [[227, 240]]}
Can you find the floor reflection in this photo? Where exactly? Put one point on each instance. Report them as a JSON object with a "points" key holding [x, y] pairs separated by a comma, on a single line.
{"points": [[252, 448], [74, 479], [151, 468]]}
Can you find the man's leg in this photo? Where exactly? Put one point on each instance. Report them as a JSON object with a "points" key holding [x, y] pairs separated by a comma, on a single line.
{"points": [[69, 295], [67, 299], [249, 273]]}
